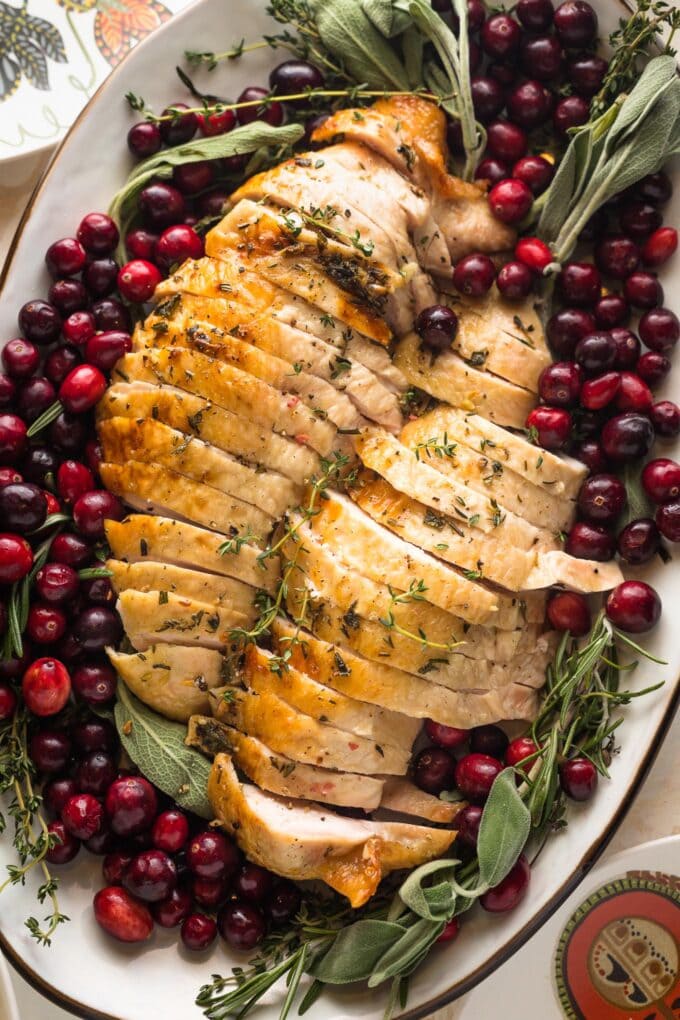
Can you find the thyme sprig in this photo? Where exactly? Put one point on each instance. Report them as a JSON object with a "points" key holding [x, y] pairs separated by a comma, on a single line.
{"points": [[434, 446], [416, 593]]}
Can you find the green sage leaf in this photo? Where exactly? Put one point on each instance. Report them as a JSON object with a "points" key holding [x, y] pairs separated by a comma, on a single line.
{"points": [[347, 32], [390, 17], [503, 831], [657, 76], [355, 951], [435, 902], [157, 746], [406, 950]]}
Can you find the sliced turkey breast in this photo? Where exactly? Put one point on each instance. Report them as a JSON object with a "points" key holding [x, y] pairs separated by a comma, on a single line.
{"points": [[148, 487], [172, 679], [455, 381], [149, 575], [252, 442], [281, 775], [154, 616], [327, 705], [403, 797], [303, 841], [302, 738], [140, 537], [229, 388]]}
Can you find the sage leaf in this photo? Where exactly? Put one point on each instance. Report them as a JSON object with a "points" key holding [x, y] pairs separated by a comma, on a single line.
{"points": [[355, 951], [413, 46], [347, 32], [435, 902], [657, 76], [503, 830], [406, 950], [390, 17], [157, 746]]}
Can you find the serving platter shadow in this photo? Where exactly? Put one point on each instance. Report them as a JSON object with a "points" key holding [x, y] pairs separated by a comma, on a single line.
{"points": [[84, 971]]}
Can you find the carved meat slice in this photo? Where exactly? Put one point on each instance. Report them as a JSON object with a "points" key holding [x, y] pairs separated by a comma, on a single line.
{"points": [[303, 841], [172, 679], [150, 575], [142, 537], [154, 616], [403, 797]]}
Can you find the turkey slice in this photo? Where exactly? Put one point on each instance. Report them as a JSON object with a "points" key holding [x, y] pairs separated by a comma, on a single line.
{"points": [[153, 616], [403, 797], [171, 679], [303, 841], [149, 575]]}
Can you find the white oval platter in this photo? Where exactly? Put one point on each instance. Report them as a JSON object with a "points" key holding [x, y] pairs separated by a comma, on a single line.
{"points": [[85, 971]]}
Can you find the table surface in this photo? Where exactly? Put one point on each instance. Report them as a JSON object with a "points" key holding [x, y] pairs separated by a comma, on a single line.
{"points": [[654, 813]]}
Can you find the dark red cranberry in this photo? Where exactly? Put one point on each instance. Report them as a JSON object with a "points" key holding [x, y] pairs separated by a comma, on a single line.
{"points": [[210, 892], [213, 203], [68, 434], [578, 778], [172, 910], [69, 548], [141, 244], [492, 170], [114, 866], [617, 256], [530, 104], [121, 915], [211, 855], [57, 792], [580, 283], [515, 281], [7, 391], [23, 507], [437, 327], [542, 57], [639, 541], [40, 322], [576, 24], [590, 452], [65, 258], [653, 368], [94, 734], [467, 824], [510, 200], [586, 74], [602, 498], [293, 77], [97, 627], [639, 220], [131, 805], [176, 244], [450, 931], [64, 847], [560, 383], [20, 358], [474, 275], [253, 883], [45, 624], [567, 327], [552, 426], [633, 394], [39, 465], [475, 774], [596, 352], [98, 233], [661, 480], [659, 247], [488, 98], [50, 750], [56, 583], [522, 748], [655, 188], [570, 112], [144, 139], [191, 178], [284, 902], [634, 606], [103, 842], [665, 417], [91, 510], [198, 932], [241, 925], [217, 123], [110, 314], [14, 668], [151, 876], [506, 141], [180, 127], [79, 327], [659, 329], [535, 171], [59, 363], [82, 815], [100, 276], [95, 773], [535, 15], [99, 591], [68, 296], [627, 436], [170, 831], [161, 204], [589, 542], [259, 109], [668, 521], [448, 737], [12, 438], [433, 770], [490, 740], [627, 347], [643, 290], [35, 396], [105, 349], [476, 12], [510, 892], [506, 74], [500, 36]]}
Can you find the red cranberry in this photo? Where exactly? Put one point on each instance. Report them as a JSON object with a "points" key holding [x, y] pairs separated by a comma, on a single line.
{"points": [[253, 883], [121, 915], [284, 903], [617, 256], [110, 314], [586, 74], [448, 737], [191, 178], [552, 426], [437, 326], [293, 77], [12, 438], [40, 322], [599, 392], [161, 204], [602, 498], [97, 627], [59, 363], [70, 549], [570, 112], [627, 436], [114, 866], [144, 139], [627, 347], [665, 417], [529, 105], [56, 583], [131, 805], [560, 384], [151, 876], [659, 329], [170, 831], [241, 925], [137, 280], [613, 312], [95, 773], [639, 541], [100, 277], [57, 792], [92, 509], [68, 296], [522, 748], [596, 352], [634, 606], [655, 188], [65, 846], [566, 328], [542, 57], [94, 735], [141, 244], [506, 141], [45, 624], [491, 740], [580, 283], [578, 778], [474, 275], [492, 170], [475, 774], [270, 113], [450, 931], [590, 542], [210, 892], [488, 98], [105, 349], [642, 290], [98, 233], [500, 36], [514, 281], [634, 394], [35, 396], [8, 702], [16, 558], [211, 855], [82, 388], [73, 480], [180, 127], [82, 815], [20, 358], [23, 507], [569, 610], [467, 823], [576, 23], [79, 327], [534, 253], [176, 244], [50, 750], [9, 476], [198, 932], [510, 892], [535, 15], [46, 686], [639, 219], [510, 200], [535, 171], [668, 521], [7, 391], [65, 258], [433, 770], [172, 910], [216, 123], [659, 246]]}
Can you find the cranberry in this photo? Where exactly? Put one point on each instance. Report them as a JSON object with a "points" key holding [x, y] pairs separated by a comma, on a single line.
{"points": [[92, 509], [450, 931], [95, 773], [35, 396], [627, 436], [8, 702], [475, 774], [552, 425], [535, 15], [655, 188], [131, 805], [114, 866], [510, 200], [137, 280], [151, 876], [590, 542], [12, 438], [14, 669], [639, 541], [529, 105], [73, 480], [56, 583], [506, 141], [40, 322], [488, 98], [191, 178], [560, 384], [586, 74], [172, 910], [198, 932], [659, 246], [98, 233], [492, 170], [105, 349], [9, 476], [627, 347], [170, 831], [522, 748], [79, 327], [437, 326], [68, 296], [241, 925], [578, 778], [70, 549], [542, 57], [23, 507], [602, 498], [100, 277], [46, 686], [161, 204], [50, 750], [433, 770], [634, 606], [210, 892], [534, 253], [514, 281], [284, 902], [474, 275], [218, 123], [659, 329], [82, 388], [617, 256], [65, 258], [668, 521], [94, 735], [82, 815], [448, 737], [295, 76], [253, 883], [599, 392], [211, 855], [535, 171], [122, 915], [665, 417], [110, 314], [179, 128], [16, 558], [467, 823], [500, 36], [612, 311], [566, 328], [59, 363], [510, 891], [176, 244], [570, 112], [45, 624], [144, 139], [639, 219], [7, 391], [141, 244], [20, 358], [476, 12], [97, 627], [491, 740], [257, 109], [64, 847], [642, 290], [591, 453], [580, 283], [57, 792], [99, 591], [596, 352], [576, 23]]}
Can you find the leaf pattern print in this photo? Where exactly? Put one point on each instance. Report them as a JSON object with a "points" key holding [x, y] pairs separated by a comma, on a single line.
{"points": [[26, 44], [119, 24]]}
